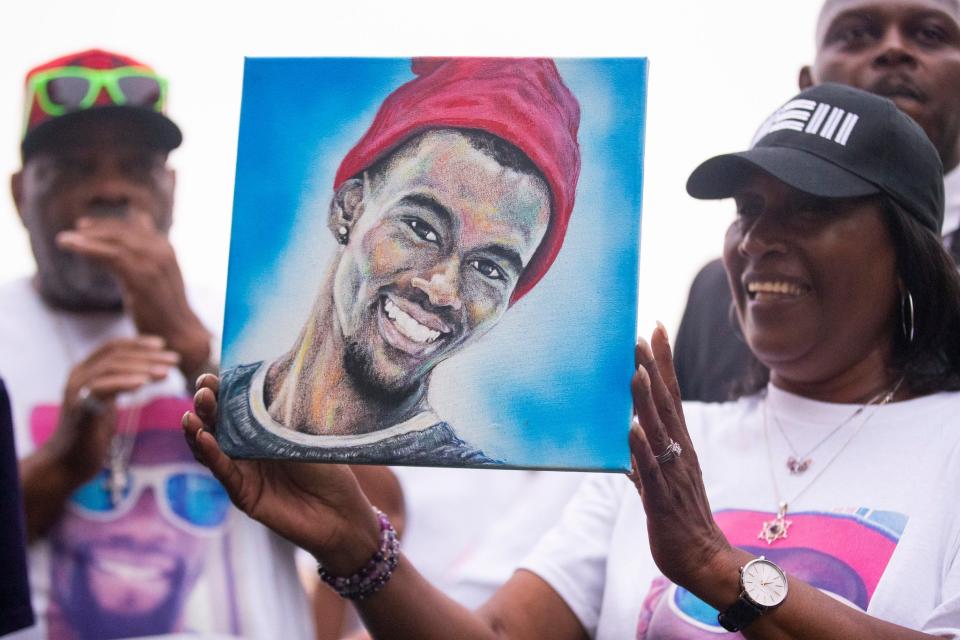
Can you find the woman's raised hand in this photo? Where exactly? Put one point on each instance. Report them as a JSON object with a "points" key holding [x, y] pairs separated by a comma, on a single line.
{"points": [[318, 507], [685, 540]]}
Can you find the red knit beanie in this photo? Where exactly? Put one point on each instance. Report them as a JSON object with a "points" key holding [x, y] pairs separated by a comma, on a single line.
{"points": [[521, 100]]}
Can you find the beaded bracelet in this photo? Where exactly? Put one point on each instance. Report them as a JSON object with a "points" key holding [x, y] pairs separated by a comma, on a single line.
{"points": [[374, 575]]}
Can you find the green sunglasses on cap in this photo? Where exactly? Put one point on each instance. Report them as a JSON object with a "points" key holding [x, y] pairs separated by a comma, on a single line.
{"points": [[64, 89]]}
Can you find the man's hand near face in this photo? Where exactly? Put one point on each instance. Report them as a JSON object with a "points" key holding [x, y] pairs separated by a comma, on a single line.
{"points": [[88, 418], [142, 259]]}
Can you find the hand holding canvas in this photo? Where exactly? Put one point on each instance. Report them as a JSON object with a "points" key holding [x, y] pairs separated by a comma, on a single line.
{"points": [[141, 257], [318, 507], [686, 543]]}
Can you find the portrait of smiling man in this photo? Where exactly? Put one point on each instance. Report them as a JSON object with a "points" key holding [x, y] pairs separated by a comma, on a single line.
{"points": [[450, 208]]}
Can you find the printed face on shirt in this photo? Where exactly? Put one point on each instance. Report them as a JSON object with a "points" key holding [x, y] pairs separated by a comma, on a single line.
{"points": [[906, 50], [673, 612], [814, 280], [130, 565], [436, 245], [102, 169], [844, 554]]}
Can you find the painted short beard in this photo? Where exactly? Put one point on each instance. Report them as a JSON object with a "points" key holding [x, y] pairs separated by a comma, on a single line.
{"points": [[358, 363], [91, 621], [72, 281]]}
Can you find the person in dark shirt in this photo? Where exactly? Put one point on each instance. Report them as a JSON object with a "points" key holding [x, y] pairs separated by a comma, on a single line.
{"points": [[15, 610], [711, 356]]}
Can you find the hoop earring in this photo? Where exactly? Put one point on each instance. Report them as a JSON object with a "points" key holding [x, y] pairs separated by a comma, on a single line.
{"points": [[907, 317], [343, 234]]}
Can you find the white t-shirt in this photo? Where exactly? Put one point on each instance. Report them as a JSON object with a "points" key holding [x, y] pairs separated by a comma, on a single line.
{"points": [[468, 529], [507, 539], [875, 522], [173, 556]]}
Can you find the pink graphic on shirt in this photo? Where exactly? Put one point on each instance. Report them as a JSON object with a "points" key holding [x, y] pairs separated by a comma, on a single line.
{"points": [[842, 553], [125, 565], [160, 413]]}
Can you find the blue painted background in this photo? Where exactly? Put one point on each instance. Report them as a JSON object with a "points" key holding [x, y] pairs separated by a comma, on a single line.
{"points": [[549, 386]]}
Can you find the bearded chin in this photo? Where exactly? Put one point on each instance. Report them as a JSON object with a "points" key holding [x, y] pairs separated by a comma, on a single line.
{"points": [[91, 621], [76, 282], [359, 366]]}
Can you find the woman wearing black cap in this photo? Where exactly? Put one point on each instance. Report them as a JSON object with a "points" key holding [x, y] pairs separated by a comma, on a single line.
{"points": [[820, 506]]}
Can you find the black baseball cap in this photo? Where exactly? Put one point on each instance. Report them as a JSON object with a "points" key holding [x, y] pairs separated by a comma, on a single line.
{"points": [[834, 141]]}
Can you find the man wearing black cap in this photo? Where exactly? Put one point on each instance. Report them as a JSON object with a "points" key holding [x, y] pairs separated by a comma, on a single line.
{"points": [[127, 531], [906, 51], [96, 196]]}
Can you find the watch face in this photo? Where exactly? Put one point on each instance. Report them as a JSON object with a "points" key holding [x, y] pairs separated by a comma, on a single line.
{"points": [[764, 583]]}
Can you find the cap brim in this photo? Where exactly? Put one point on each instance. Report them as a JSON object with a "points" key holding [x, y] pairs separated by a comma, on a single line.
{"points": [[155, 128], [721, 176]]}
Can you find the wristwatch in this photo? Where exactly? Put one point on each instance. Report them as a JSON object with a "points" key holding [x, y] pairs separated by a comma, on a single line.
{"points": [[763, 586]]}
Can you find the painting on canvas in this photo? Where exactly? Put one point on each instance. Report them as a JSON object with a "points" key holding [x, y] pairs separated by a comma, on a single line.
{"points": [[434, 262]]}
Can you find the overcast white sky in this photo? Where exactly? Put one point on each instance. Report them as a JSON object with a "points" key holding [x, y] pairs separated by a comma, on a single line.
{"points": [[716, 70]]}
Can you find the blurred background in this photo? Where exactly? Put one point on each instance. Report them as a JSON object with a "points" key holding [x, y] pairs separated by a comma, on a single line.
{"points": [[716, 70]]}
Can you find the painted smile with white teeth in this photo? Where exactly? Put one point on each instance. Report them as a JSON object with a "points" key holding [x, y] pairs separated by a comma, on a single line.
{"points": [[774, 288], [408, 326], [131, 572]]}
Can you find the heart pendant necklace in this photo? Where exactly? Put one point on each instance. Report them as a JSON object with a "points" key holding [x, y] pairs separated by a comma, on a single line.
{"points": [[797, 467], [778, 527], [797, 463]]}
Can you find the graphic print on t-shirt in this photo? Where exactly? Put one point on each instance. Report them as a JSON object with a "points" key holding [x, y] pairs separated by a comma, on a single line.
{"points": [[843, 553], [126, 565]]}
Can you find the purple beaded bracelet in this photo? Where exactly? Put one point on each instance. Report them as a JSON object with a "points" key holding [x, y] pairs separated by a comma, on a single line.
{"points": [[372, 576]]}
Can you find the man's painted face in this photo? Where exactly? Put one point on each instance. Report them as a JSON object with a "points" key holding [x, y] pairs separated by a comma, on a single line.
{"points": [[435, 251], [906, 50], [103, 170]]}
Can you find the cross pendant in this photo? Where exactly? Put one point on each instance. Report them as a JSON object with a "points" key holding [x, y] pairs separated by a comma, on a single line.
{"points": [[117, 484]]}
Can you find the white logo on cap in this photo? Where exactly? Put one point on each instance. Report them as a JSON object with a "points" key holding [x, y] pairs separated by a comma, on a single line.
{"points": [[815, 118]]}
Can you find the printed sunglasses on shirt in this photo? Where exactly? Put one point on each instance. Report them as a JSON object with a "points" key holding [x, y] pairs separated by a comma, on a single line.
{"points": [[190, 499]]}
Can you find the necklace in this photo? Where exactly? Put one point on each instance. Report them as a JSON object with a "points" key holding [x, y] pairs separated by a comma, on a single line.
{"points": [[121, 449], [776, 529], [798, 464], [125, 433]]}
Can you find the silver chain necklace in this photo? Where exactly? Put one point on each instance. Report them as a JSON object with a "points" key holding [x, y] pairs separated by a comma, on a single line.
{"points": [[125, 435], [798, 464], [776, 529]]}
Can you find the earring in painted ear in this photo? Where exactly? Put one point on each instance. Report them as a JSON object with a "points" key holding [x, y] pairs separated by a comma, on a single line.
{"points": [[343, 234], [906, 316]]}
